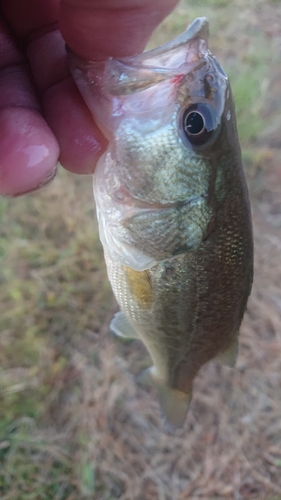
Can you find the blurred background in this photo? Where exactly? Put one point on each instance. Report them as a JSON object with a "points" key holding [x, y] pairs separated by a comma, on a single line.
{"points": [[73, 422]]}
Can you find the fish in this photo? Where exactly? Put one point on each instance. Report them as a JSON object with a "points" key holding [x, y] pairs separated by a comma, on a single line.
{"points": [[173, 208]]}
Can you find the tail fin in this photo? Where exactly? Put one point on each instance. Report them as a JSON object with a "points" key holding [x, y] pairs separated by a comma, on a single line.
{"points": [[174, 404]]}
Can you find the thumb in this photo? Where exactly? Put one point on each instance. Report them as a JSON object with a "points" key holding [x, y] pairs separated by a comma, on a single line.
{"points": [[97, 29]]}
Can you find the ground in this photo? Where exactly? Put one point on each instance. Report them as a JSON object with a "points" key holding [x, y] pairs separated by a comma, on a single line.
{"points": [[73, 422]]}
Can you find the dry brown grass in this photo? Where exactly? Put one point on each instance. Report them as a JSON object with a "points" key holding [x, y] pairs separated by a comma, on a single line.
{"points": [[74, 425]]}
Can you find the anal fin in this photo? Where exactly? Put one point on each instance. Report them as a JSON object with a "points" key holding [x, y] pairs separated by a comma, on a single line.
{"points": [[121, 326], [229, 355], [174, 403]]}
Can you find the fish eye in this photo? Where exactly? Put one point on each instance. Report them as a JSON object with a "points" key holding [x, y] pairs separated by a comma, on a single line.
{"points": [[197, 124]]}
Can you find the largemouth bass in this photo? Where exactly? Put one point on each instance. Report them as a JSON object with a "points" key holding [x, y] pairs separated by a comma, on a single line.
{"points": [[173, 208]]}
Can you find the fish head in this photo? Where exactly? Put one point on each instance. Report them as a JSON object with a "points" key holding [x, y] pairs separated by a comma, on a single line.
{"points": [[165, 115]]}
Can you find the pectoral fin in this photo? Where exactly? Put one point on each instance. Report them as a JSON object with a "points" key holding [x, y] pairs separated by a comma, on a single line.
{"points": [[121, 326], [174, 404], [228, 356]]}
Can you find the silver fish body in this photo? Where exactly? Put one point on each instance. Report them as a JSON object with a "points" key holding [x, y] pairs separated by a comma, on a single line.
{"points": [[173, 208]]}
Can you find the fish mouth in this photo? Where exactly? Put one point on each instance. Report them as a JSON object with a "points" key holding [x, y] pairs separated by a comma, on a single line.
{"points": [[173, 59]]}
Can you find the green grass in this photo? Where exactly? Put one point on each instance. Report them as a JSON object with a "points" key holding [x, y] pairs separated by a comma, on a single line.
{"points": [[248, 98], [32, 468], [44, 261]]}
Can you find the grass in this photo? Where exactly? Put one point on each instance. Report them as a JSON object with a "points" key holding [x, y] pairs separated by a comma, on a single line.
{"points": [[73, 422], [43, 295]]}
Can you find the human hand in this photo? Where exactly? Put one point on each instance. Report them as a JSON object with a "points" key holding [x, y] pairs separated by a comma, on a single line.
{"points": [[43, 118]]}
